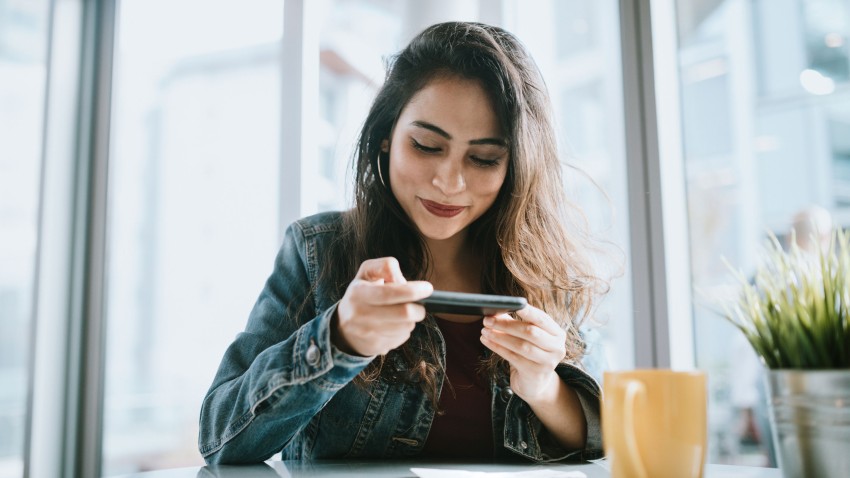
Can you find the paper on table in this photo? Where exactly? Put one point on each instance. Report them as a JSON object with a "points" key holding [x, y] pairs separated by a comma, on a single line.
{"points": [[544, 473], [603, 462]]}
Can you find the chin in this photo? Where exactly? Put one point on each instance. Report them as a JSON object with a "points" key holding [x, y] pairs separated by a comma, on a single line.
{"points": [[439, 229], [440, 237], [439, 233]]}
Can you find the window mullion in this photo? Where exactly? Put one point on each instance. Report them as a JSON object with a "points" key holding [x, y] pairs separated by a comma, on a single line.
{"points": [[657, 229], [66, 398]]}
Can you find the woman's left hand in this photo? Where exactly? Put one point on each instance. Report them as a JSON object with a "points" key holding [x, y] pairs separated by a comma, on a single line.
{"points": [[533, 346]]}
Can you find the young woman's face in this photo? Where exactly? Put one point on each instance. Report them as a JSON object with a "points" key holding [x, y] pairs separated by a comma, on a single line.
{"points": [[448, 157]]}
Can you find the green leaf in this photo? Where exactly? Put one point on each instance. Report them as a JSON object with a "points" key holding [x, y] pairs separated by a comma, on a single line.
{"points": [[796, 311]]}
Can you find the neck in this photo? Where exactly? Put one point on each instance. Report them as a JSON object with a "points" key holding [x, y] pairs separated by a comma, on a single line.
{"points": [[447, 253], [455, 264]]}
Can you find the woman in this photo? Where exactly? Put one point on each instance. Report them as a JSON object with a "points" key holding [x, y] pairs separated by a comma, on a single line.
{"points": [[457, 187]]}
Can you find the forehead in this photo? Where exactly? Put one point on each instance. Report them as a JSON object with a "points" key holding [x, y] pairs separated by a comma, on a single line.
{"points": [[461, 106]]}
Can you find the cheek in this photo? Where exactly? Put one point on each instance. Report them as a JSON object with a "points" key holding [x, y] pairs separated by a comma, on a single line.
{"points": [[405, 169], [489, 183]]}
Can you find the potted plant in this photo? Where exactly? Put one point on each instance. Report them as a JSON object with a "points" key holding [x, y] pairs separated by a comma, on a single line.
{"points": [[796, 315]]}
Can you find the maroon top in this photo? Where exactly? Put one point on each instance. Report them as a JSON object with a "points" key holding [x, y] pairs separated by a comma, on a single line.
{"points": [[465, 428]]}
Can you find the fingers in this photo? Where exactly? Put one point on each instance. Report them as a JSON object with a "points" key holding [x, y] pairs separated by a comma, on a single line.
{"points": [[548, 354], [390, 315], [377, 334], [377, 293], [368, 329], [514, 358], [384, 269], [388, 321], [380, 303], [380, 282], [537, 338], [533, 315], [378, 312], [516, 331]]}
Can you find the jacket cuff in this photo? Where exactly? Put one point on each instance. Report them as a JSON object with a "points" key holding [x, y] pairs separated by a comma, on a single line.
{"points": [[589, 394], [316, 358], [590, 407], [541, 446]]}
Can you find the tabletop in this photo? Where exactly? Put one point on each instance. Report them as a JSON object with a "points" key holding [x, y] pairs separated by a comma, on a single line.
{"points": [[402, 469]]}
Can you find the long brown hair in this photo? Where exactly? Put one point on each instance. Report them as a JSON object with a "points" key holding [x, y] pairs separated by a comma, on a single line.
{"points": [[533, 240]]}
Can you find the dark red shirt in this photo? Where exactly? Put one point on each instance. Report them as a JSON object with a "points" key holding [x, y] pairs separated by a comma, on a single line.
{"points": [[464, 429]]}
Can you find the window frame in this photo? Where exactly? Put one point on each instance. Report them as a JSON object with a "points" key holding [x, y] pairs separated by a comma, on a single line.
{"points": [[63, 437]]}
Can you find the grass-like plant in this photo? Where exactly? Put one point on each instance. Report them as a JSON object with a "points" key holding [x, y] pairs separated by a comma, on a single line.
{"points": [[796, 311]]}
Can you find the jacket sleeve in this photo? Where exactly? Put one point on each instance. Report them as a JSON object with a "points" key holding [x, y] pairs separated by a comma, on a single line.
{"points": [[528, 437], [278, 373]]}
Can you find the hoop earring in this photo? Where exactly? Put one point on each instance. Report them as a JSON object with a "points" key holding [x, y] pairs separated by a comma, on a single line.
{"points": [[380, 174]]}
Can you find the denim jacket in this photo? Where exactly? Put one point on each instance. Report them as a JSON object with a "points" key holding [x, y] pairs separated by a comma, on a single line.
{"points": [[282, 386]]}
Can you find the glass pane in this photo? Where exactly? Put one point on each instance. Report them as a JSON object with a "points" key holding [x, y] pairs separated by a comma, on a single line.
{"points": [[577, 46], [766, 113], [193, 212], [23, 69], [355, 36]]}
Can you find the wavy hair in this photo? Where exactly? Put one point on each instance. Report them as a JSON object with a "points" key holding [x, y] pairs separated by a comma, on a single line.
{"points": [[533, 239]]}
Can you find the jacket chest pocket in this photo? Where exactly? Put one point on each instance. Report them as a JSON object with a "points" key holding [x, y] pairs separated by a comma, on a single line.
{"points": [[358, 421]]}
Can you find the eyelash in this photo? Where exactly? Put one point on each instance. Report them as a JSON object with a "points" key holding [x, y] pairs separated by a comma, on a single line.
{"points": [[423, 148], [484, 163]]}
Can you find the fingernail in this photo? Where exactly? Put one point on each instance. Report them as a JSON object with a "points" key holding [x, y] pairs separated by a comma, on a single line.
{"points": [[488, 321]]}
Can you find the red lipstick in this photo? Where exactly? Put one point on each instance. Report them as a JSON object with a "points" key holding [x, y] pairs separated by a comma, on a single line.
{"points": [[441, 210]]}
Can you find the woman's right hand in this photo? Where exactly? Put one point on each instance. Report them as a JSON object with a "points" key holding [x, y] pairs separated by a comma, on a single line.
{"points": [[378, 311]]}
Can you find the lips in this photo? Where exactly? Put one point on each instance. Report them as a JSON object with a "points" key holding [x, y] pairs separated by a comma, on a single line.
{"points": [[441, 210]]}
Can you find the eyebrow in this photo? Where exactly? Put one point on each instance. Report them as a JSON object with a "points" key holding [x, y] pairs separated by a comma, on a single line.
{"points": [[440, 131]]}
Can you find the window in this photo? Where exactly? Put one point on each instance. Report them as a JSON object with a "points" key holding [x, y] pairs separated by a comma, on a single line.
{"points": [[23, 67], [577, 46], [354, 37], [766, 110], [193, 199]]}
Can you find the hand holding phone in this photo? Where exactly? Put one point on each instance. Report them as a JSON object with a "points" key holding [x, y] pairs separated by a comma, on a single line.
{"points": [[377, 300], [464, 303]]}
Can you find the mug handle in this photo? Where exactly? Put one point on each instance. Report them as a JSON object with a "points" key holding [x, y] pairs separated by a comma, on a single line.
{"points": [[634, 388]]}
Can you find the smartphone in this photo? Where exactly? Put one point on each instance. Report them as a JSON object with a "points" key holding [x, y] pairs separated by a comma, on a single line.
{"points": [[471, 304]]}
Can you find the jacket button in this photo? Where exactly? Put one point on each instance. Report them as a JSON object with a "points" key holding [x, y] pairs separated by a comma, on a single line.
{"points": [[313, 354], [506, 393], [523, 445]]}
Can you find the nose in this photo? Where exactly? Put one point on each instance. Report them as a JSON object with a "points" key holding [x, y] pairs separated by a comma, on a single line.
{"points": [[449, 177]]}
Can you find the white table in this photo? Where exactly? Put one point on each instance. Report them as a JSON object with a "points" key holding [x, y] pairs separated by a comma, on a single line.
{"points": [[401, 469]]}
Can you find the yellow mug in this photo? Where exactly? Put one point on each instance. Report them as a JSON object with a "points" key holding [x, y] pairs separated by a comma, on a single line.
{"points": [[654, 423]]}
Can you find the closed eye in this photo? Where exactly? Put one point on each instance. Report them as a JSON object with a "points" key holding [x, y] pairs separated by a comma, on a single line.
{"points": [[485, 163], [423, 148]]}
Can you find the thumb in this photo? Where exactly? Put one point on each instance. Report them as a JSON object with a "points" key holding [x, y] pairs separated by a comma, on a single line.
{"points": [[384, 269]]}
